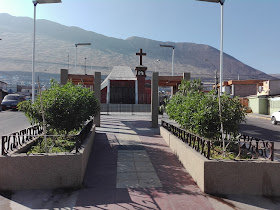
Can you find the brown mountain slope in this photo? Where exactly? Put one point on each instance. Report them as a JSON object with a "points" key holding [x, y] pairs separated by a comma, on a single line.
{"points": [[54, 42]]}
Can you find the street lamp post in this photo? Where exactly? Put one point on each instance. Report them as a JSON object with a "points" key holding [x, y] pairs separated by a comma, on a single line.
{"points": [[34, 37], [68, 61], [76, 45], [173, 47], [85, 66], [221, 69], [221, 49]]}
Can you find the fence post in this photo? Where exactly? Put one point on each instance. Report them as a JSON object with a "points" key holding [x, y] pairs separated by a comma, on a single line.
{"points": [[154, 102], [77, 144], [97, 93], [2, 148], [208, 149], [272, 151]]}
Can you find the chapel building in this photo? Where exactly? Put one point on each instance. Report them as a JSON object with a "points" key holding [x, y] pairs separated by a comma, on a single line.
{"points": [[123, 87]]}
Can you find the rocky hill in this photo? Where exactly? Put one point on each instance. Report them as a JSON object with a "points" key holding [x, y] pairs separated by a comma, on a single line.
{"points": [[54, 42]]}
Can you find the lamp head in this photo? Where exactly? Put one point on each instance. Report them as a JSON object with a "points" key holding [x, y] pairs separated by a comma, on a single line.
{"points": [[47, 1], [82, 44], [164, 45], [214, 1]]}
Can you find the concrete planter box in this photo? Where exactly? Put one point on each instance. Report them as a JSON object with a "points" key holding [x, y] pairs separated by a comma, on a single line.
{"points": [[225, 176], [45, 171]]}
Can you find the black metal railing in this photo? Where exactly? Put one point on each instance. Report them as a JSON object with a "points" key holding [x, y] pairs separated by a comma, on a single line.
{"points": [[258, 148], [17, 139], [81, 136], [199, 144]]}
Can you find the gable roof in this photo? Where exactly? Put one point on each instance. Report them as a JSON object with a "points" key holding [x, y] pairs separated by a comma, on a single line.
{"points": [[119, 73]]}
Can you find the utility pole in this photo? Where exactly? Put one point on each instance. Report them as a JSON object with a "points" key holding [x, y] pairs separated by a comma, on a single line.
{"points": [[216, 81], [85, 66]]}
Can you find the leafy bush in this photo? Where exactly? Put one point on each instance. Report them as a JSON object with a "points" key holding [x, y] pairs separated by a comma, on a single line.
{"points": [[199, 113], [66, 107]]}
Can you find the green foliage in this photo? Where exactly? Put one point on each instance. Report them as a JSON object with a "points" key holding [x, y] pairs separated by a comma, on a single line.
{"points": [[233, 113], [206, 121], [66, 107], [199, 113], [190, 86], [60, 144]]}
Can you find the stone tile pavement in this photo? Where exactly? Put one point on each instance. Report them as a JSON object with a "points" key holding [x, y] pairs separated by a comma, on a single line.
{"points": [[131, 167], [144, 173], [135, 170]]}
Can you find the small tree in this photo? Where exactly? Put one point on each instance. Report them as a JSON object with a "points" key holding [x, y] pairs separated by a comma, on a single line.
{"points": [[66, 107]]}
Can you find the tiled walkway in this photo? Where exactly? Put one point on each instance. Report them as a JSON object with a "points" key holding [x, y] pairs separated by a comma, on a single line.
{"points": [[131, 167], [135, 170]]}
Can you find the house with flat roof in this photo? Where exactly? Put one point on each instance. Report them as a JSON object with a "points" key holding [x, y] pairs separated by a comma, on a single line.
{"points": [[269, 88], [241, 88]]}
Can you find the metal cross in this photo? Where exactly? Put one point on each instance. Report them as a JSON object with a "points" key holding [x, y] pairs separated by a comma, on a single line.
{"points": [[141, 54]]}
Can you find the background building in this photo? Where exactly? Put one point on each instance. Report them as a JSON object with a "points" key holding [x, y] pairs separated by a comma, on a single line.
{"points": [[122, 87]]}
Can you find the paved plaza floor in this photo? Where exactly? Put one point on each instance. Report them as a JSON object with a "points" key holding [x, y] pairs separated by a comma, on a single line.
{"points": [[131, 167]]}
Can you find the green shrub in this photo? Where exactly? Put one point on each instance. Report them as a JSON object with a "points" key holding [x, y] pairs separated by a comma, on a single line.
{"points": [[66, 107], [199, 113]]}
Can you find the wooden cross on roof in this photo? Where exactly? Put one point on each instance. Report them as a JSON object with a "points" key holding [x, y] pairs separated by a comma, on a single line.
{"points": [[141, 54]]}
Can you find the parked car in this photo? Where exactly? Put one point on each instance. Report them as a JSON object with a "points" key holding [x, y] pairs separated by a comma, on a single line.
{"points": [[275, 118], [11, 101]]}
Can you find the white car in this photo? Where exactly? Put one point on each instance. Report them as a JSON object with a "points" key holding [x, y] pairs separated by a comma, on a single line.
{"points": [[275, 118]]}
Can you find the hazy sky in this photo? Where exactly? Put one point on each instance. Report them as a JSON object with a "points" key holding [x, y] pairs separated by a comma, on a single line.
{"points": [[251, 27]]}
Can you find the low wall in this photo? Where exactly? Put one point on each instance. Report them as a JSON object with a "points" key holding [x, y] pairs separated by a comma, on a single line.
{"points": [[274, 105], [191, 159], [258, 105], [226, 177], [45, 171]]}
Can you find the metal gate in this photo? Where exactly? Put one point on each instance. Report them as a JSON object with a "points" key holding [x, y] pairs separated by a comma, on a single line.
{"points": [[125, 108]]}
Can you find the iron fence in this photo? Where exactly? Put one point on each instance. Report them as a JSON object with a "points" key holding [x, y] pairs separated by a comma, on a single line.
{"points": [[17, 139], [125, 108], [199, 144], [81, 136], [254, 147]]}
